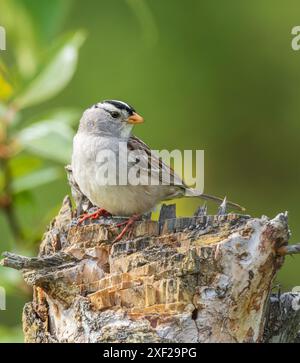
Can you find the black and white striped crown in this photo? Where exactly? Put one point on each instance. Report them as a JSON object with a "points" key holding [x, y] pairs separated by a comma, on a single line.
{"points": [[121, 105]]}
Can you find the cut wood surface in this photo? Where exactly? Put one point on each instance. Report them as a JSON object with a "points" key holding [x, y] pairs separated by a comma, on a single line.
{"points": [[195, 279]]}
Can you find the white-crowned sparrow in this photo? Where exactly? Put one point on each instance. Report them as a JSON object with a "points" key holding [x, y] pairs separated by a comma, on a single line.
{"points": [[103, 127]]}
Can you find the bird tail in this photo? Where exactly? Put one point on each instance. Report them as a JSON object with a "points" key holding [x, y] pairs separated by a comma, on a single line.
{"points": [[196, 193]]}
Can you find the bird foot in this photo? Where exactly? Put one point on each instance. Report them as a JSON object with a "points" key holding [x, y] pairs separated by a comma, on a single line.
{"points": [[101, 212], [128, 226]]}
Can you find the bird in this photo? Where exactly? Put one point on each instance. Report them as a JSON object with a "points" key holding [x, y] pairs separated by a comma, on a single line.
{"points": [[103, 127]]}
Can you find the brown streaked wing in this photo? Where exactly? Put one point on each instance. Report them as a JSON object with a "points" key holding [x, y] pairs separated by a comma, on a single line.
{"points": [[134, 143]]}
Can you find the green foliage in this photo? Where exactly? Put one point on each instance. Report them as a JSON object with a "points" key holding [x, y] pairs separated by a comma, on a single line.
{"points": [[34, 146], [50, 139], [36, 179], [54, 73], [50, 135]]}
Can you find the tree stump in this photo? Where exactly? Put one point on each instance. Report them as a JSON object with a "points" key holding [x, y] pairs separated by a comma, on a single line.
{"points": [[197, 279]]}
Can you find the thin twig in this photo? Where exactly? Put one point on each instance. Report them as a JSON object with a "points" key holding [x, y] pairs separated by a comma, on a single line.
{"points": [[19, 262], [289, 250], [293, 249]]}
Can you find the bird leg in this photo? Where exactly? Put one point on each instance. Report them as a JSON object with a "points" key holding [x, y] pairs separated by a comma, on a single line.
{"points": [[99, 213], [128, 225]]}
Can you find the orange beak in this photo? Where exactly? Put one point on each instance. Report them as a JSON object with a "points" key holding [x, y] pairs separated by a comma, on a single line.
{"points": [[135, 119]]}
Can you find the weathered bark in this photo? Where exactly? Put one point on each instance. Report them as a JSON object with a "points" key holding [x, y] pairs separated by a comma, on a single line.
{"points": [[283, 318], [199, 279]]}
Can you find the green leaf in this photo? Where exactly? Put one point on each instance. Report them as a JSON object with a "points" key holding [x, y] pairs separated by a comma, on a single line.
{"points": [[22, 34], [49, 139], [24, 164], [47, 16], [36, 179], [55, 74], [63, 115], [147, 21]]}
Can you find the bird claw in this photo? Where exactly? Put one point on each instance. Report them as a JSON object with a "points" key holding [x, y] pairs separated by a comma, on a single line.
{"points": [[101, 212], [128, 226]]}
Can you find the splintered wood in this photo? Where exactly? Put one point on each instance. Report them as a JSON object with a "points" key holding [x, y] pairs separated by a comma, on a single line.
{"points": [[198, 279]]}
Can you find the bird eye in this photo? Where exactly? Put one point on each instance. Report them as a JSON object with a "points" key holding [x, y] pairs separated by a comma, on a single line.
{"points": [[115, 114]]}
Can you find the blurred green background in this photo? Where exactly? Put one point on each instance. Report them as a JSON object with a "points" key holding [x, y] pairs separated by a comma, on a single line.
{"points": [[211, 75]]}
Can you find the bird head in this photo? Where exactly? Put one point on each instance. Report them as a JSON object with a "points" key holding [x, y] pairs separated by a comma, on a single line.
{"points": [[111, 117]]}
